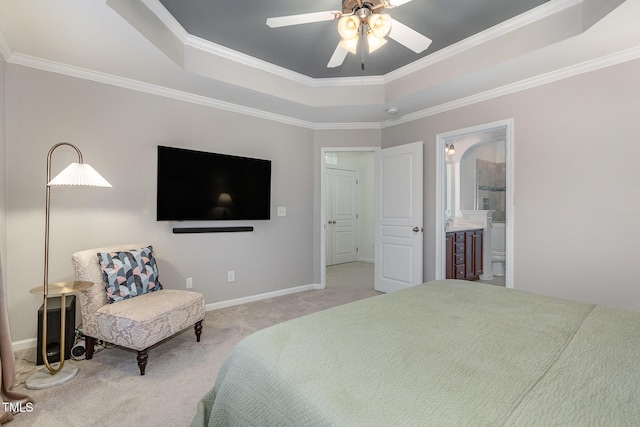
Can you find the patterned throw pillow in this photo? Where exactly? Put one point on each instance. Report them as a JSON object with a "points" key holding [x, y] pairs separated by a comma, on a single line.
{"points": [[128, 274]]}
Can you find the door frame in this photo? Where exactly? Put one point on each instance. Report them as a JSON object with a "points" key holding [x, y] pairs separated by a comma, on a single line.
{"points": [[440, 238], [323, 219]]}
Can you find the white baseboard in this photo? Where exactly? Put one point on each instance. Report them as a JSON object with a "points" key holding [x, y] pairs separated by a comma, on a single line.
{"points": [[24, 344], [369, 260], [229, 303], [32, 342]]}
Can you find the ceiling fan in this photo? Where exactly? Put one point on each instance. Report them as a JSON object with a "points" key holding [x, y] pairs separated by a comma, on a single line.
{"points": [[360, 19]]}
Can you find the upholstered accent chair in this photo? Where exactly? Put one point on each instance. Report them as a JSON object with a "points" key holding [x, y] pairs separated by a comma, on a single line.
{"points": [[134, 322]]}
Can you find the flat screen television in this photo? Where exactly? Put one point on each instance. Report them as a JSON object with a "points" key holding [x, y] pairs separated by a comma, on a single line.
{"points": [[197, 185]]}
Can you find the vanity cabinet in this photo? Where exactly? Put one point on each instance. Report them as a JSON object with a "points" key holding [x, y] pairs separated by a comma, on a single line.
{"points": [[464, 254]]}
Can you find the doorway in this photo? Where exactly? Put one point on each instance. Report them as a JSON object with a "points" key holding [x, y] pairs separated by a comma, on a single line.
{"points": [[462, 194], [338, 167], [342, 215]]}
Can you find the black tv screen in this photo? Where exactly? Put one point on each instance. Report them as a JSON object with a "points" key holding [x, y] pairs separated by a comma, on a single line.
{"points": [[196, 185]]}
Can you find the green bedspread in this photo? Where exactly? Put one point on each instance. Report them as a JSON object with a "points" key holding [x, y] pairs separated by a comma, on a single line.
{"points": [[439, 354]]}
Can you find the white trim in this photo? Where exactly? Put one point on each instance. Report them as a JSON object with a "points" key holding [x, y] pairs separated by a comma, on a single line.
{"points": [[532, 82], [526, 18], [100, 77], [349, 126], [110, 79], [233, 55], [250, 61], [440, 243], [5, 49], [501, 29], [167, 18], [33, 342], [230, 303], [25, 344]]}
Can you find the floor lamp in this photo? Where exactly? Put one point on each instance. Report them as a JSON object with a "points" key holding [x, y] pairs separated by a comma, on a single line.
{"points": [[76, 174]]}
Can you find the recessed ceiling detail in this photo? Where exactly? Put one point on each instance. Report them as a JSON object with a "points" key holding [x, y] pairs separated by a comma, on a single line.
{"points": [[359, 22], [306, 49]]}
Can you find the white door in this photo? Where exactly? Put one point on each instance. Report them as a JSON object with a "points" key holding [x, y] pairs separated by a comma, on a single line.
{"points": [[399, 218], [342, 216]]}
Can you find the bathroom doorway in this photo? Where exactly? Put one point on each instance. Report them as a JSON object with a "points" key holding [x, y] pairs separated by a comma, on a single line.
{"points": [[474, 179]]}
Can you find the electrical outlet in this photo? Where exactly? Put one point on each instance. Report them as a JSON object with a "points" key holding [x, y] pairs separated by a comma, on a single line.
{"points": [[189, 282], [282, 211], [231, 276]]}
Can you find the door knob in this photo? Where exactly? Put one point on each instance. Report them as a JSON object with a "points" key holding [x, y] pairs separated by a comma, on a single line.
{"points": [[416, 229]]}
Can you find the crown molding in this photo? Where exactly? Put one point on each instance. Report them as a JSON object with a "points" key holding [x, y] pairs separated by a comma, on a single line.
{"points": [[195, 42], [542, 79], [167, 18], [244, 59], [5, 49], [543, 11], [348, 126], [110, 79], [553, 76]]}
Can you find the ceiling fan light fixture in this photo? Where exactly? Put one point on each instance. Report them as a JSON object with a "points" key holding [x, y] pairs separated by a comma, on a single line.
{"points": [[351, 45], [374, 42], [348, 27], [380, 25]]}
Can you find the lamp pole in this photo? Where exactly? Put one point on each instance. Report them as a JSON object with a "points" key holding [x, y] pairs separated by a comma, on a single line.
{"points": [[63, 306], [76, 174]]}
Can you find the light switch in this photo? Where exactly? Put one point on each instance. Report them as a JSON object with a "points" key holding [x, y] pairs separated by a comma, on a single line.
{"points": [[282, 211]]}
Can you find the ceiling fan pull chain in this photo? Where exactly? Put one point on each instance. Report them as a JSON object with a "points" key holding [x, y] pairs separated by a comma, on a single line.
{"points": [[362, 47]]}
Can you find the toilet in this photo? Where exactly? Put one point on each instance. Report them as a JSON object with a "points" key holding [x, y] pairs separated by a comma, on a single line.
{"points": [[498, 255]]}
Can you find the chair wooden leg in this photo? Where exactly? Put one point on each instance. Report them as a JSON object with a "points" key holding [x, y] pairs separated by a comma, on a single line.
{"points": [[198, 328], [90, 342], [142, 360]]}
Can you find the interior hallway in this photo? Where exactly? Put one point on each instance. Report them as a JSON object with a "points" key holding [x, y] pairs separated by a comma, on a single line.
{"points": [[352, 275]]}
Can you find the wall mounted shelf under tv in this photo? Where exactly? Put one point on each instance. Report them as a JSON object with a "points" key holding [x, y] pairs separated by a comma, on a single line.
{"points": [[191, 230]]}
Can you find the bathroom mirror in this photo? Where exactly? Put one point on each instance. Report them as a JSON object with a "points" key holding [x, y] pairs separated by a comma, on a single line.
{"points": [[483, 177]]}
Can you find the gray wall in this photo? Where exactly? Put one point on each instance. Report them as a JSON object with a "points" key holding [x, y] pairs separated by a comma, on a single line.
{"points": [[577, 210], [117, 131], [576, 149]]}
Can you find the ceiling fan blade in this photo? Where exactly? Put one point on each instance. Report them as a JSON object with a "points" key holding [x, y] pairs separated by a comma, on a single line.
{"points": [[305, 18], [338, 57], [408, 37], [396, 3]]}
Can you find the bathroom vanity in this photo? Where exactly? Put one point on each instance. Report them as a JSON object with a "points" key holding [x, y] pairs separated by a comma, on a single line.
{"points": [[464, 255]]}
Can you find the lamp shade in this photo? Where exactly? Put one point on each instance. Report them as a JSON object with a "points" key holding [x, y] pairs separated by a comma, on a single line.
{"points": [[380, 25], [348, 27], [351, 45], [79, 174], [374, 42]]}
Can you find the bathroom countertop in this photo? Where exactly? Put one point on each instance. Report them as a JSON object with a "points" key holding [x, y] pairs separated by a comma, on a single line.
{"points": [[455, 229]]}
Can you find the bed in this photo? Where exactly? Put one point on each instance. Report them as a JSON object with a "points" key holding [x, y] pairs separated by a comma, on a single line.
{"points": [[443, 353]]}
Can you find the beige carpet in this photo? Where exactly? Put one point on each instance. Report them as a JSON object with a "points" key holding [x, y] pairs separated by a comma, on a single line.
{"points": [[109, 391]]}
